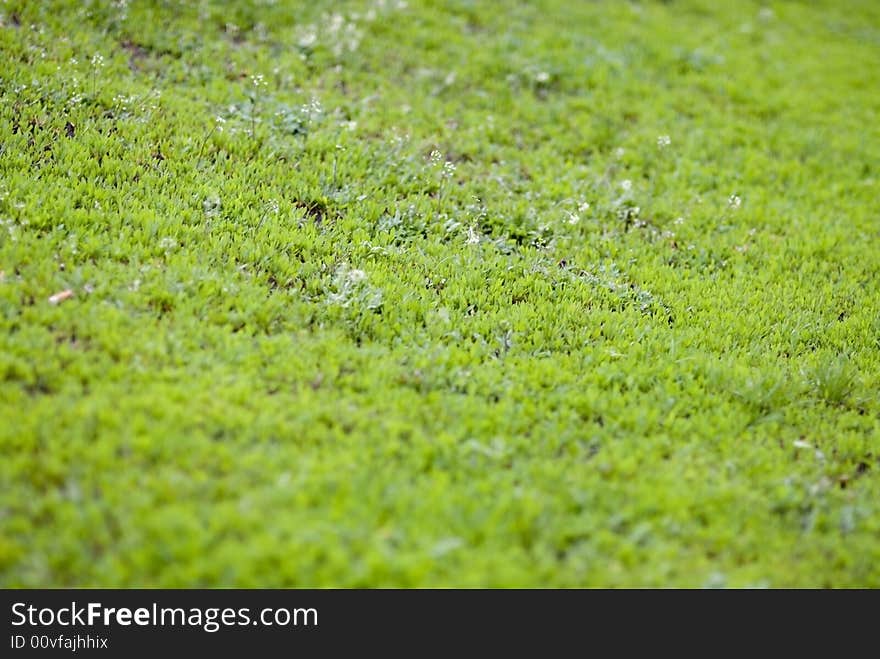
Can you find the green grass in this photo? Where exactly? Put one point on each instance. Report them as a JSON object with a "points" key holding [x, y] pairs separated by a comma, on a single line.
{"points": [[302, 350]]}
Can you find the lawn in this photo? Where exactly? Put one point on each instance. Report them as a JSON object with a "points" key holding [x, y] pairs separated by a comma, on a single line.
{"points": [[381, 293]]}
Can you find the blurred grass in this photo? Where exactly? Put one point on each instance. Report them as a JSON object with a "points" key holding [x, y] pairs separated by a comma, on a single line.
{"points": [[419, 294]]}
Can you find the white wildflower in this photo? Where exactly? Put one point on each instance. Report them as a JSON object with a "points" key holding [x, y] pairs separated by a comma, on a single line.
{"points": [[356, 276], [308, 38], [473, 235]]}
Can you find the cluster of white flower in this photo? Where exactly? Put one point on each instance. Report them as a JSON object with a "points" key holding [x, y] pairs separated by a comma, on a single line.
{"points": [[342, 33], [473, 235], [11, 228], [349, 287], [122, 101], [312, 110], [308, 36], [382, 5], [663, 141], [121, 7], [339, 33]]}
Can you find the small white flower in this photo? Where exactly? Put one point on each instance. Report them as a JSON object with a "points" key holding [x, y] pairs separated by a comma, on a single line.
{"points": [[356, 276], [663, 141], [618, 152], [734, 201], [308, 38], [97, 60], [473, 236], [542, 76], [336, 22], [626, 184], [584, 207]]}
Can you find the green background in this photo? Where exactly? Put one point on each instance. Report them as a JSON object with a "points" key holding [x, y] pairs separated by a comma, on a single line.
{"points": [[562, 350]]}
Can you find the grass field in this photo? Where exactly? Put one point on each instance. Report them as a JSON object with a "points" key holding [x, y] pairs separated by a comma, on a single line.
{"points": [[381, 293]]}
